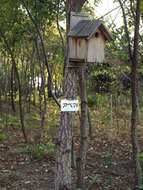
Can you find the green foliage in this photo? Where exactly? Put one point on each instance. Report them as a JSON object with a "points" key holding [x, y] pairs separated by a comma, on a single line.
{"points": [[140, 186], [103, 78], [91, 100], [13, 120], [41, 150], [140, 158], [107, 182], [96, 179], [107, 160], [1, 127], [2, 136]]}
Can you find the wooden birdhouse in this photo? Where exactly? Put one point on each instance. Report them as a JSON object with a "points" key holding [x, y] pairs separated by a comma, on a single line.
{"points": [[87, 39]]}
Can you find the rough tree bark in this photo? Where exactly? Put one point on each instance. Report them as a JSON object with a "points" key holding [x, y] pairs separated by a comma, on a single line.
{"points": [[81, 159], [64, 141]]}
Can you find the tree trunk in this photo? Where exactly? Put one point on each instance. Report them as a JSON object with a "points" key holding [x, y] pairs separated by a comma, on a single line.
{"points": [[89, 123], [34, 91], [0, 103], [133, 54], [31, 81], [64, 141], [43, 113], [135, 147], [12, 96], [81, 159], [42, 91], [49, 88], [6, 91], [111, 115]]}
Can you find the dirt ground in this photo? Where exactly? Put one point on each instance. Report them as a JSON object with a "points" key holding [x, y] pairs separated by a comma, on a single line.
{"points": [[109, 167]]}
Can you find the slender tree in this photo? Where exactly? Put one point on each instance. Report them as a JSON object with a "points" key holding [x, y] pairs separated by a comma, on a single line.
{"points": [[138, 176], [133, 55]]}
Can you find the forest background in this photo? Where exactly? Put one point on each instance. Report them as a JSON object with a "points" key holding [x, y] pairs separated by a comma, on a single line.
{"points": [[32, 65]]}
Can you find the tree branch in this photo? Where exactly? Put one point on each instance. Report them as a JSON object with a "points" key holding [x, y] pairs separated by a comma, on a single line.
{"points": [[126, 29]]}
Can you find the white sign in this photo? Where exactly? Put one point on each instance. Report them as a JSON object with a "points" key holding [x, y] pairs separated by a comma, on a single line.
{"points": [[69, 105]]}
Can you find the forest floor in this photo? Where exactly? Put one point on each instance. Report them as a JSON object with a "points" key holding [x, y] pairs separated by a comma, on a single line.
{"points": [[109, 165]]}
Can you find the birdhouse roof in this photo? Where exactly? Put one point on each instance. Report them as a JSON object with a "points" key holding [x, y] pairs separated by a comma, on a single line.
{"points": [[86, 28]]}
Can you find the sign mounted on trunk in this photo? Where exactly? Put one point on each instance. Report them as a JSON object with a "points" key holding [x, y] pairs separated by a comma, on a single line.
{"points": [[69, 105]]}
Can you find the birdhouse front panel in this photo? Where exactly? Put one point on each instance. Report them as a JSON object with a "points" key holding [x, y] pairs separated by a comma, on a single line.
{"points": [[96, 45], [78, 48]]}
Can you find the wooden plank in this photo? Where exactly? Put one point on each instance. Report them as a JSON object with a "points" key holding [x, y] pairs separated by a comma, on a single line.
{"points": [[96, 49], [72, 48], [76, 63], [74, 60], [81, 48]]}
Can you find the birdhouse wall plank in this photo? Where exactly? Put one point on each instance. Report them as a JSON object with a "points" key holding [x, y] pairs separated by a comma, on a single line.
{"points": [[78, 48], [81, 48], [72, 48], [96, 47]]}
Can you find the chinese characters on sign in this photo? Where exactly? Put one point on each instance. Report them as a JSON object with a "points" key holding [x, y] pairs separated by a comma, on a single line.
{"points": [[69, 105]]}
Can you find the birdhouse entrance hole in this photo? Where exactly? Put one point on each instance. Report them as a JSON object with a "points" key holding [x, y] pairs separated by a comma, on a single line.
{"points": [[96, 35]]}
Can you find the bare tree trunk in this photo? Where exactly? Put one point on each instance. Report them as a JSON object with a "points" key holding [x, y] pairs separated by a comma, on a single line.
{"points": [[6, 87], [42, 91], [111, 115], [43, 113], [34, 91], [81, 159], [89, 123], [135, 147], [49, 88], [31, 80], [39, 93], [12, 98], [134, 61], [64, 141], [0, 103]]}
